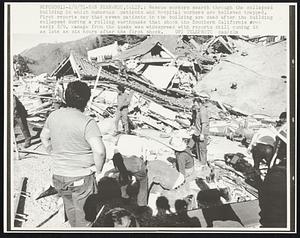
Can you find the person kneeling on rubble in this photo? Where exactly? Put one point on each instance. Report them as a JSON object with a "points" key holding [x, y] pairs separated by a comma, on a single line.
{"points": [[263, 142], [146, 173], [123, 101], [75, 144], [184, 158]]}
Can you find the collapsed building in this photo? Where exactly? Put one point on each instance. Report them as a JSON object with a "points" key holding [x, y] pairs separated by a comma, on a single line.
{"points": [[166, 73]]}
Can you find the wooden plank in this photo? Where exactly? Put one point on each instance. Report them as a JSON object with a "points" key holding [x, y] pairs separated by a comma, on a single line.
{"points": [[100, 110], [20, 202], [34, 152], [37, 96], [33, 113], [45, 104], [16, 147], [150, 122], [167, 122], [221, 106], [51, 216]]}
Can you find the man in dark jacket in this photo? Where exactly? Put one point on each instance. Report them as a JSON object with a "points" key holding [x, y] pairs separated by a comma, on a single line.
{"points": [[20, 115]]}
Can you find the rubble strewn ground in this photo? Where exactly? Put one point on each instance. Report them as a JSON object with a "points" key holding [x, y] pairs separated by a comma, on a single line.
{"points": [[260, 76], [246, 82], [40, 180]]}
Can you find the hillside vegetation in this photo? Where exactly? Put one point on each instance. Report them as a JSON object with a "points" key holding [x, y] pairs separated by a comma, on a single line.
{"points": [[45, 57]]}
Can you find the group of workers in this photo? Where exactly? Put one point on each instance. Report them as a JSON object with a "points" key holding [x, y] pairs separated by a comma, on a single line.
{"points": [[75, 144], [76, 147]]}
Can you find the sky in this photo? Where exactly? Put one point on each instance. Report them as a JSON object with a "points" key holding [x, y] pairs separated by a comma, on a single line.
{"points": [[24, 23], [25, 26], [21, 42]]}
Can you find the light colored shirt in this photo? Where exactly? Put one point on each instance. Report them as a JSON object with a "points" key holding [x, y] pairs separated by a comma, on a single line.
{"points": [[184, 161], [263, 136], [130, 145], [162, 173], [69, 130], [123, 100], [202, 121]]}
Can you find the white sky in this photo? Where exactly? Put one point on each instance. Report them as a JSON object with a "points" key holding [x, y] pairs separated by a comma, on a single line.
{"points": [[21, 42], [25, 29]]}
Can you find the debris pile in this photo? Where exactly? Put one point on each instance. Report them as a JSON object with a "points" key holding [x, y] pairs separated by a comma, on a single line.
{"points": [[166, 73]]}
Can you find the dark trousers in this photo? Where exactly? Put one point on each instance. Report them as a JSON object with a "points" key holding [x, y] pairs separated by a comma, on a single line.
{"points": [[22, 123], [262, 152], [141, 176], [75, 196], [272, 198], [200, 147]]}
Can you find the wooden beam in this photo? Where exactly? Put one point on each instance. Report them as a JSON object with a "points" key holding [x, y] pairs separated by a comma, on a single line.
{"points": [[33, 152], [169, 52], [74, 66], [95, 86], [19, 209], [59, 66], [16, 147], [51, 216]]}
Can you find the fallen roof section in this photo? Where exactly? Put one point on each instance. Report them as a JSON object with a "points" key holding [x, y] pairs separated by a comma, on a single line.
{"points": [[160, 76], [76, 65], [168, 44]]}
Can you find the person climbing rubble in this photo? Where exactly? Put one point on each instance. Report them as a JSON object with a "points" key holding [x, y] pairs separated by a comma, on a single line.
{"points": [[75, 144], [123, 101], [20, 119], [200, 123]]}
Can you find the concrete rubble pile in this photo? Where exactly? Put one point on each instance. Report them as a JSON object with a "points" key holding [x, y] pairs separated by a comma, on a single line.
{"points": [[164, 80]]}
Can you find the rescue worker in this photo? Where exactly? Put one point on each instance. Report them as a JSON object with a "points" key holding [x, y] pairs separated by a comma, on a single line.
{"points": [[263, 143], [262, 146], [123, 101], [147, 173], [130, 167], [75, 144], [282, 119], [20, 115], [200, 121], [273, 190], [184, 158]]}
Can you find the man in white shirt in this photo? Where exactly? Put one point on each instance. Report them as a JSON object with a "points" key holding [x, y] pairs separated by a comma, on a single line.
{"points": [[262, 146]]}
